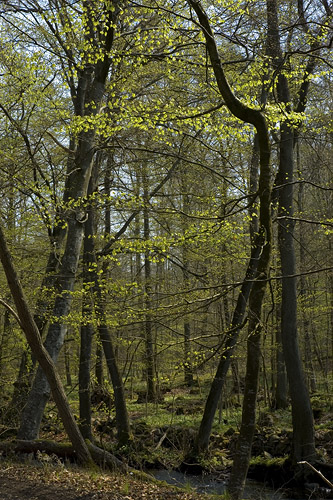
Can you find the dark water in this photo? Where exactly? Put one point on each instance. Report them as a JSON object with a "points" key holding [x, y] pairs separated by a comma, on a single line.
{"points": [[209, 484]]}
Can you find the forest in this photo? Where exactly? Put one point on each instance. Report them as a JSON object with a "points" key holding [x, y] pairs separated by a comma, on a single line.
{"points": [[166, 235]]}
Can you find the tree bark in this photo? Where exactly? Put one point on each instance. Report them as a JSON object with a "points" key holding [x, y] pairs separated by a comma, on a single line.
{"points": [[64, 450], [281, 387], [206, 424], [302, 417], [33, 337], [86, 330], [262, 248], [87, 99], [150, 356]]}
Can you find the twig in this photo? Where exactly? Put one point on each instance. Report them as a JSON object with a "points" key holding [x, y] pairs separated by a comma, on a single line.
{"points": [[318, 472]]}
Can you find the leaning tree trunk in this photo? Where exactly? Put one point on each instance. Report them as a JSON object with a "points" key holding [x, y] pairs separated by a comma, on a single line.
{"points": [[34, 339], [244, 443], [237, 322], [205, 429], [256, 118]]}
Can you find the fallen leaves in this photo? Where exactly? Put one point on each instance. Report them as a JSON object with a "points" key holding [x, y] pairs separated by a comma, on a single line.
{"points": [[28, 481]]}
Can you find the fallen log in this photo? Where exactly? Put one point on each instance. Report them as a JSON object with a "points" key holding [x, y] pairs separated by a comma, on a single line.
{"points": [[102, 458]]}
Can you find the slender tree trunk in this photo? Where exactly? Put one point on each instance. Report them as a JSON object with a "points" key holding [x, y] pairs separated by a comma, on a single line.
{"points": [[99, 369], [281, 388], [67, 365], [188, 369], [106, 341], [86, 330], [244, 443], [149, 343], [122, 419], [226, 358]]}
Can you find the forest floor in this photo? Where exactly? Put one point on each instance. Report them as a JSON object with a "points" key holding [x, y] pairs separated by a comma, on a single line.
{"points": [[30, 482], [163, 434]]}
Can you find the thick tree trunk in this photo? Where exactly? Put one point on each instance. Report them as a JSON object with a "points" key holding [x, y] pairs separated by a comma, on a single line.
{"points": [[302, 417], [33, 337], [87, 100], [57, 237], [39, 394], [304, 295]]}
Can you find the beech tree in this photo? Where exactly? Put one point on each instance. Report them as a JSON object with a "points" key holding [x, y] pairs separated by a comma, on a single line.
{"points": [[165, 126]]}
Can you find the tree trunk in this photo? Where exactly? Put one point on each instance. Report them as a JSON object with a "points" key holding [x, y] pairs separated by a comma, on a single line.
{"points": [[68, 365], [150, 356], [188, 368], [99, 369], [87, 100], [302, 417], [226, 358], [244, 443], [281, 388], [122, 419], [86, 330], [57, 238], [33, 337], [310, 372]]}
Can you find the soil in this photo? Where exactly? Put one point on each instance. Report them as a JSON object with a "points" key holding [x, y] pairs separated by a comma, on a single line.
{"points": [[30, 482]]}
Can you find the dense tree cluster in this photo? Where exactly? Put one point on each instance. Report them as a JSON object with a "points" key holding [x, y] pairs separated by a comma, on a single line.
{"points": [[166, 206]]}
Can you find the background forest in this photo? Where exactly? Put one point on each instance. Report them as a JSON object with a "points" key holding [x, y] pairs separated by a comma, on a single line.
{"points": [[166, 197]]}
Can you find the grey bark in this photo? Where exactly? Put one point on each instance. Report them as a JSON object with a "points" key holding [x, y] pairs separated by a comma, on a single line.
{"points": [[256, 118], [149, 344], [33, 337], [87, 98], [281, 387], [86, 330], [302, 417]]}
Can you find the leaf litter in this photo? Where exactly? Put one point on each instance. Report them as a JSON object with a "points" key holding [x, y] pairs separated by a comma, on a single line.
{"points": [[31, 482]]}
